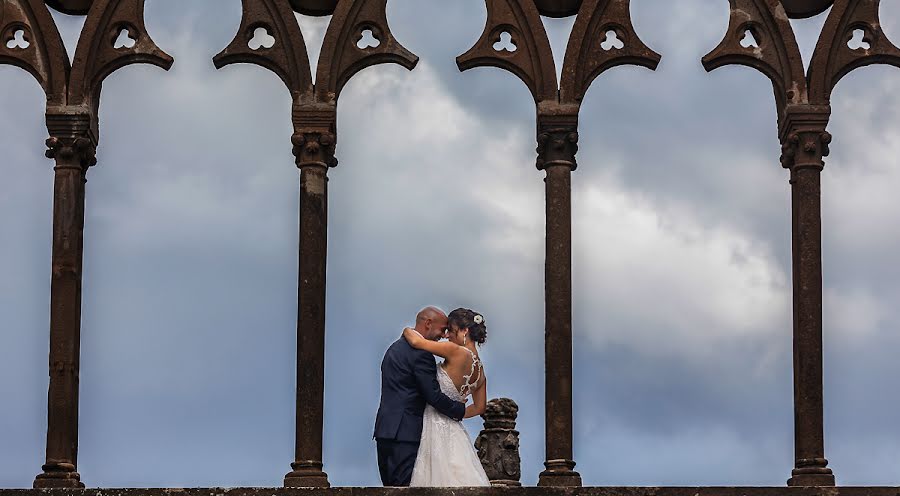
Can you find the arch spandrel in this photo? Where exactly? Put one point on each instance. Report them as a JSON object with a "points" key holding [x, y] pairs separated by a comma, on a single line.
{"points": [[532, 61], [287, 57], [585, 56], [96, 56], [45, 58], [341, 56], [834, 59], [776, 54]]}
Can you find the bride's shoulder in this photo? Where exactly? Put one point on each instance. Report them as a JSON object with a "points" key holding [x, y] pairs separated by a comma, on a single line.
{"points": [[460, 353]]}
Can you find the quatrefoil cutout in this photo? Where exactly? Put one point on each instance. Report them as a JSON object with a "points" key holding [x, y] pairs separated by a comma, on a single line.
{"points": [[367, 40], [505, 43], [261, 39], [18, 41]]}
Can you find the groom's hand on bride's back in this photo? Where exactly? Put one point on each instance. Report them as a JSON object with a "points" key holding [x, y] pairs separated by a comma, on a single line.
{"points": [[426, 380]]}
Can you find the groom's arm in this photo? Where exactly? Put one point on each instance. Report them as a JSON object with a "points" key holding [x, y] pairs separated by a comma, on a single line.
{"points": [[426, 380]]}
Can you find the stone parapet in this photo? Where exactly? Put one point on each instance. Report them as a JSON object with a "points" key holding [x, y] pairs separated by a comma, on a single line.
{"points": [[473, 491]]}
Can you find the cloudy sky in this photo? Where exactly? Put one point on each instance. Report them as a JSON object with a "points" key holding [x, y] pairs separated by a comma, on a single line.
{"points": [[681, 258]]}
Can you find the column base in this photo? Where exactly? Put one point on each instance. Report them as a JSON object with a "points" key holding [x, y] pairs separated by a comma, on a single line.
{"points": [[559, 473], [58, 475], [307, 473], [811, 472]]}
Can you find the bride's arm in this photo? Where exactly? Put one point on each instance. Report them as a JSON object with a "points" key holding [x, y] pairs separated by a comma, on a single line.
{"points": [[479, 400], [444, 349]]}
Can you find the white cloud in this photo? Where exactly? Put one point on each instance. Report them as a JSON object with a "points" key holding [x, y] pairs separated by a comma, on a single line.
{"points": [[679, 286]]}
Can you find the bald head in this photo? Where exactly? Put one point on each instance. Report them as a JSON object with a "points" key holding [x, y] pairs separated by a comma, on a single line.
{"points": [[431, 322], [429, 313]]}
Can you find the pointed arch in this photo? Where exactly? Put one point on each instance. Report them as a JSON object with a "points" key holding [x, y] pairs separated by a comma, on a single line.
{"points": [[341, 57], [834, 59], [532, 61], [45, 58], [96, 56], [585, 56], [287, 58], [776, 54]]}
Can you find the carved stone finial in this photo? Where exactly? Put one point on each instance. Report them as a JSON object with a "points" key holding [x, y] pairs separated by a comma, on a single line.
{"points": [[498, 443]]}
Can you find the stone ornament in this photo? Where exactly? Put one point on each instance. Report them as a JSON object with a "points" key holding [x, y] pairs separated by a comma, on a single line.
{"points": [[498, 443]]}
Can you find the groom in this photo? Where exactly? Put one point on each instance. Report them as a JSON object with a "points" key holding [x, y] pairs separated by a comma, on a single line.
{"points": [[408, 382]]}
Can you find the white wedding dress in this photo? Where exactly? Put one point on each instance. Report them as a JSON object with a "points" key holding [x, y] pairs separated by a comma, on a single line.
{"points": [[446, 456]]}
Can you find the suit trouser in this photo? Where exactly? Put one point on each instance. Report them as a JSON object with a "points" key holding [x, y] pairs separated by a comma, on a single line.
{"points": [[396, 460]]}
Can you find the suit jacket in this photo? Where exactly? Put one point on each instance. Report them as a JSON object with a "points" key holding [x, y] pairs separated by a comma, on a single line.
{"points": [[408, 383]]}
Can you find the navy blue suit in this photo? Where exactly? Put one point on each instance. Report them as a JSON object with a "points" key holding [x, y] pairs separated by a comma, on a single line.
{"points": [[408, 383]]}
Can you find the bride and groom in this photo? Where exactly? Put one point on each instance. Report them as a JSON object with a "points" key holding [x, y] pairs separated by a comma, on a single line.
{"points": [[420, 438]]}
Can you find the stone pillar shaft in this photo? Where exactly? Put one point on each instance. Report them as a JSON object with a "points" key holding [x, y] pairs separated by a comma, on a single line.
{"points": [[73, 156], [314, 151], [805, 144], [558, 313], [557, 146]]}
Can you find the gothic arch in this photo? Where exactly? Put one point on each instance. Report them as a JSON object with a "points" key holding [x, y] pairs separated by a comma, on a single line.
{"points": [[287, 57], [341, 57], [776, 54], [585, 56], [45, 58], [96, 56], [532, 61], [834, 59]]}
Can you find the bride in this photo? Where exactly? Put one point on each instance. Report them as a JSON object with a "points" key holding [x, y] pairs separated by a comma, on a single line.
{"points": [[446, 456]]}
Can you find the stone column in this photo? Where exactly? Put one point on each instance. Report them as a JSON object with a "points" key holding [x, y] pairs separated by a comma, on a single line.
{"points": [[804, 144], [72, 146], [314, 144], [557, 145], [498, 443]]}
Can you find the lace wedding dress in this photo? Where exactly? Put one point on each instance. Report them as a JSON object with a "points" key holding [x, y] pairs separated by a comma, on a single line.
{"points": [[446, 456]]}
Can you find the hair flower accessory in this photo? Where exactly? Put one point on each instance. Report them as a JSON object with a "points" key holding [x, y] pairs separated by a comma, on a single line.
{"points": [[478, 319]]}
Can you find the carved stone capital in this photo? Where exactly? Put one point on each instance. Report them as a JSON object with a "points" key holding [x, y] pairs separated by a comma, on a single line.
{"points": [[80, 152], [804, 140], [557, 135], [72, 141], [315, 136], [314, 149], [557, 146]]}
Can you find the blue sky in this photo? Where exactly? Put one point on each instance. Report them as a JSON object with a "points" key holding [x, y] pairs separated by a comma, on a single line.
{"points": [[681, 258]]}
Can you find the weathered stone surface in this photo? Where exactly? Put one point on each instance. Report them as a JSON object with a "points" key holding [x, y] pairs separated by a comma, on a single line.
{"points": [[470, 491], [498, 443]]}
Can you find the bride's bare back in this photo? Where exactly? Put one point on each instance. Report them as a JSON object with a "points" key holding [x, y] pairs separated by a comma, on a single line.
{"points": [[465, 369], [462, 365]]}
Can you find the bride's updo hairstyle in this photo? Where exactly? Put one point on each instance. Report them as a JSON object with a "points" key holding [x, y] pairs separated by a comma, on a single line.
{"points": [[463, 318]]}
